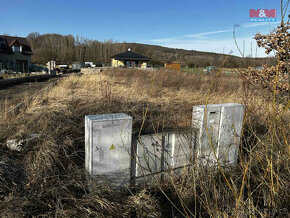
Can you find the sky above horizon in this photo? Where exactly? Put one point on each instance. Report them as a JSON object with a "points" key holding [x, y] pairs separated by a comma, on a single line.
{"points": [[188, 24]]}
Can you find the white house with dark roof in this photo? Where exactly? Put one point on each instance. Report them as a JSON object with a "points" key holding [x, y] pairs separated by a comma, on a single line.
{"points": [[129, 59], [15, 54]]}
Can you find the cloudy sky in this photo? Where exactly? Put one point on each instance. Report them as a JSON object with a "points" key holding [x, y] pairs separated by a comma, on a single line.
{"points": [[222, 40], [189, 24]]}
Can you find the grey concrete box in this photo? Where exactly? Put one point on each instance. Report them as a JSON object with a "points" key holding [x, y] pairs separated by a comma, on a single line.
{"points": [[148, 159], [108, 144], [218, 130], [149, 152]]}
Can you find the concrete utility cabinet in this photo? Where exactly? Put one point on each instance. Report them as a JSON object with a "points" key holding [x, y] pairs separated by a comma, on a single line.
{"points": [[108, 144], [217, 132], [151, 158], [149, 153]]}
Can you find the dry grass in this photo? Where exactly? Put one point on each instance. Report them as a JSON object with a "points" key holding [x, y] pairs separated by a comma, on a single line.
{"points": [[53, 182]]}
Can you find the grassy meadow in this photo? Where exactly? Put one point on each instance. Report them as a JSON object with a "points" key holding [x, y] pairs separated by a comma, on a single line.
{"points": [[47, 178]]}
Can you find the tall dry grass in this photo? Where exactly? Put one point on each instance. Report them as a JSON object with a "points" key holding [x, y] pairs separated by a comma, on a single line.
{"points": [[47, 177]]}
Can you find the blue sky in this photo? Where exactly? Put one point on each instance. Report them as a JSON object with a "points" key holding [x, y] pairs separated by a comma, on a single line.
{"points": [[190, 24]]}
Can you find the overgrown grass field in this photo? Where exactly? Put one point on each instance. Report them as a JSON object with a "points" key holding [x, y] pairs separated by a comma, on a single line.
{"points": [[47, 178]]}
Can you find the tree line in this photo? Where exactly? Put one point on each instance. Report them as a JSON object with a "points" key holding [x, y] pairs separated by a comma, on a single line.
{"points": [[69, 49]]}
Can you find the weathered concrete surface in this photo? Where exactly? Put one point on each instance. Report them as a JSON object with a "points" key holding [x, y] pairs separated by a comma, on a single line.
{"points": [[177, 152]]}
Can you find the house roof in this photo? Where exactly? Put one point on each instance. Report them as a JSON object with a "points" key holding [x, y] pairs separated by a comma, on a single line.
{"points": [[6, 43], [130, 56]]}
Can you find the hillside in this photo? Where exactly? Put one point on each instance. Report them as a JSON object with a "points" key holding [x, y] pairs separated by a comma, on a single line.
{"points": [[195, 58], [67, 48]]}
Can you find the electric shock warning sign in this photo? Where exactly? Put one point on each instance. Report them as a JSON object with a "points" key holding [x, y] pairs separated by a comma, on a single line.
{"points": [[112, 147]]}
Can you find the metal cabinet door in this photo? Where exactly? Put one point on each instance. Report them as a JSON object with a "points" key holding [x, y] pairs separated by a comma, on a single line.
{"points": [[210, 135]]}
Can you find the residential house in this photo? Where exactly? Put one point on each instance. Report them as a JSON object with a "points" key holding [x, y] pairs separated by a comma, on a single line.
{"points": [[129, 59], [15, 54]]}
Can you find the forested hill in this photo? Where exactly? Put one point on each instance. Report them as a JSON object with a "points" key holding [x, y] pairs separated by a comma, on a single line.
{"points": [[67, 48]]}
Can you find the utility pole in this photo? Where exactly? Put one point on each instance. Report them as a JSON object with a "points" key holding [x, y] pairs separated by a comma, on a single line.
{"points": [[234, 35], [251, 49]]}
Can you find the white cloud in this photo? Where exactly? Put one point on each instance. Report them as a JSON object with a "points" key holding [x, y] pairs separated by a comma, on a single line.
{"points": [[218, 46], [163, 40], [199, 42], [188, 36], [201, 35], [255, 24]]}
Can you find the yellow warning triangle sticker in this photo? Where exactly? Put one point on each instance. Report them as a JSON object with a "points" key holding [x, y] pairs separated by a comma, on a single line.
{"points": [[112, 147]]}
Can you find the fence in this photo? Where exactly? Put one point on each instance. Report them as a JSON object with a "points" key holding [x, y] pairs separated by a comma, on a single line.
{"points": [[16, 81]]}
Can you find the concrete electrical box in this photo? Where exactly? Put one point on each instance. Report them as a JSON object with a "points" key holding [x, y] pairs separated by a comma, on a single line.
{"points": [[108, 144], [148, 154], [217, 131], [151, 158]]}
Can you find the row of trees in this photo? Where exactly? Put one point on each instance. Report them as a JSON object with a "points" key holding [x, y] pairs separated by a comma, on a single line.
{"points": [[68, 48]]}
